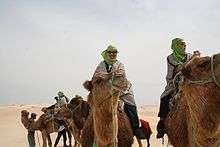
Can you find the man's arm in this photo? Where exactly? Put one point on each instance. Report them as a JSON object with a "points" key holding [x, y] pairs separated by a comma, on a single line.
{"points": [[101, 73]]}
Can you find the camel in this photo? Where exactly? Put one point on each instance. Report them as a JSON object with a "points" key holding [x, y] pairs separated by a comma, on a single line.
{"points": [[194, 118], [74, 114], [99, 126], [46, 127]]}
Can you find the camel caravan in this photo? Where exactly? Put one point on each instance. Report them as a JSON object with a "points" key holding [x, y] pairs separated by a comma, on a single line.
{"points": [[189, 109]]}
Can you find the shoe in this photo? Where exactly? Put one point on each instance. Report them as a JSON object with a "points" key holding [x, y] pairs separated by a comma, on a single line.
{"points": [[160, 129]]}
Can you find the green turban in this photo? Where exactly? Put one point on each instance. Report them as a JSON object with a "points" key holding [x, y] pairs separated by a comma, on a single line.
{"points": [[106, 57], [178, 52]]}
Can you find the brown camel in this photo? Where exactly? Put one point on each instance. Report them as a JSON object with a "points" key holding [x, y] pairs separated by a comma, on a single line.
{"points": [[74, 114], [46, 127], [103, 93], [194, 119]]}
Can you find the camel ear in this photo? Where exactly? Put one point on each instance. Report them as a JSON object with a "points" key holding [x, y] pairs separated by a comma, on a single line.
{"points": [[88, 85]]}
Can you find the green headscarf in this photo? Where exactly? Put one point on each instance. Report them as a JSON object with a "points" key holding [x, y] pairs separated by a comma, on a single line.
{"points": [[178, 53], [106, 56]]}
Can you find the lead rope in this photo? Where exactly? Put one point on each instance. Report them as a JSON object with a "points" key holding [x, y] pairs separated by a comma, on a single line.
{"points": [[114, 116]]}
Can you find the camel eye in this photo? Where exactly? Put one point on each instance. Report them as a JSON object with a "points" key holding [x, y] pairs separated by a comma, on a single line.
{"points": [[204, 64]]}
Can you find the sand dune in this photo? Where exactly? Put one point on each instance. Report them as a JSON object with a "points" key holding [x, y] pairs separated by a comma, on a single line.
{"points": [[13, 134]]}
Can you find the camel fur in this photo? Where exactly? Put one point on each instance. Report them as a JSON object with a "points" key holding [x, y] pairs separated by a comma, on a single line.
{"points": [[102, 94]]}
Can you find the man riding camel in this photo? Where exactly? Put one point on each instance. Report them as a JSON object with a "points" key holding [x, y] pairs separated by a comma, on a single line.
{"points": [[61, 99], [110, 65], [175, 61]]}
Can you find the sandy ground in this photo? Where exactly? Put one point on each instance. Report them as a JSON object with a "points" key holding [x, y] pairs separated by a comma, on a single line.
{"points": [[13, 134]]}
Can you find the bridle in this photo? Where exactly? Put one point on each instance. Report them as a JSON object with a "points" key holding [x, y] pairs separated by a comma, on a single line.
{"points": [[211, 79], [72, 111]]}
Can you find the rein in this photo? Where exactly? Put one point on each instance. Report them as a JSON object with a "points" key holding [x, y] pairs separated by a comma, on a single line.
{"points": [[72, 111], [114, 112], [114, 117], [211, 79]]}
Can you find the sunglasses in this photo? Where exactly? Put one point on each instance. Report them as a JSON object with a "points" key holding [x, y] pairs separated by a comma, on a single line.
{"points": [[112, 52]]}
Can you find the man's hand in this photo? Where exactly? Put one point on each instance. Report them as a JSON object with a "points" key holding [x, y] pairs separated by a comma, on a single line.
{"points": [[178, 68], [196, 53]]}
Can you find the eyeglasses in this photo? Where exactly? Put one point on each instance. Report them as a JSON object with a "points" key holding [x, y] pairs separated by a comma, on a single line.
{"points": [[112, 52]]}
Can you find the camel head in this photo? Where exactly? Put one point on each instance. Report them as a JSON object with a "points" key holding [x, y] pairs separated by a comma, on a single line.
{"points": [[24, 118], [24, 114], [75, 101], [105, 86], [78, 107], [63, 112], [199, 68], [88, 85], [44, 109]]}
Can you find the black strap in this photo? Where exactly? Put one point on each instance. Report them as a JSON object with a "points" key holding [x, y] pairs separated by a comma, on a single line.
{"points": [[107, 67]]}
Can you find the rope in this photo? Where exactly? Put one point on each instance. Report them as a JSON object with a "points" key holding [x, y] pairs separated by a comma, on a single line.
{"points": [[81, 101], [114, 117], [201, 82], [38, 139]]}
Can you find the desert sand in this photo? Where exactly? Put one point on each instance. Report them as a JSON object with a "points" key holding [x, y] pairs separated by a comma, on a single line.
{"points": [[13, 134]]}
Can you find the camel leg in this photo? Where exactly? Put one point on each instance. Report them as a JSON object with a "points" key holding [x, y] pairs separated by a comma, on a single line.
{"points": [[75, 143], [44, 138], [49, 140], [139, 142], [64, 137], [57, 139], [148, 142], [70, 137]]}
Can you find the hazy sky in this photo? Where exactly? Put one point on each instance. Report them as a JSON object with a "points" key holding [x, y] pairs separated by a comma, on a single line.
{"points": [[51, 45]]}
